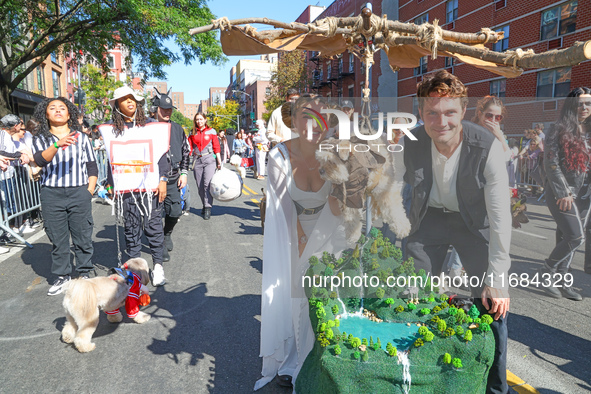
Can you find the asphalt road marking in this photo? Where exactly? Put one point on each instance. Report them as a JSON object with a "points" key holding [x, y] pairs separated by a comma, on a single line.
{"points": [[245, 192], [530, 234], [14, 249], [249, 189], [254, 200], [519, 385]]}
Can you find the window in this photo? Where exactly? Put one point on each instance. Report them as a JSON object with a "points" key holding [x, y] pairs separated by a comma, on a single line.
{"points": [[419, 20], [559, 20], [54, 57], [554, 83], [111, 61], [340, 65], [321, 76], [56, 83], [503, 44], [452, 11], [351, 90], [498, 88], [449, 61], [422, 68], [40, 78], [268, 91], [328, 70], [351, 63]]}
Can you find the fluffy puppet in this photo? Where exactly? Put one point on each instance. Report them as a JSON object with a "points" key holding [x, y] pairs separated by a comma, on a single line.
{"points": [[85, 297]]}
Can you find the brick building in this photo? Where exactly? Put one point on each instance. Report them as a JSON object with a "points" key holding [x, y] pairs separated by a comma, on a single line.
{"points": [[541, 25]]}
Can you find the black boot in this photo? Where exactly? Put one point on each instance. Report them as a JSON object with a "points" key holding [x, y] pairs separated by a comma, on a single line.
{"points": [[207, 213], [165, 254], [202, 211]]}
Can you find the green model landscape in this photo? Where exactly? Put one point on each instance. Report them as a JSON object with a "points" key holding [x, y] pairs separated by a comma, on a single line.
{"points": [[452, 351]]}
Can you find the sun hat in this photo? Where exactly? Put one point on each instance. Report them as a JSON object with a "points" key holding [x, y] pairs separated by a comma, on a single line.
{"points": [[125, 91]]}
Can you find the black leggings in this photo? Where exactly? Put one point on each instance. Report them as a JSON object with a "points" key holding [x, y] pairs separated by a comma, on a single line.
{"points": [[572, 226]]}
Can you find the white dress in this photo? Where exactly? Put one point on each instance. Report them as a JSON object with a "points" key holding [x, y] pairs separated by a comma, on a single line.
{"points": [[286, 331]]}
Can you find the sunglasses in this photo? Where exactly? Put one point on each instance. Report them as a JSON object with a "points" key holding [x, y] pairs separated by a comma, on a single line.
{"points": [[496, 118], [584, 104]]}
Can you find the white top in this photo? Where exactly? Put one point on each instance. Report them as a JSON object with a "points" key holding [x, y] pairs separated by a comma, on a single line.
{"points": [[277, 130], [496, 197]]}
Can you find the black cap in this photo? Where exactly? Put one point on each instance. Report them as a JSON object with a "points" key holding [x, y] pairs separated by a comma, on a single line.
{"points": [[164, 102]]}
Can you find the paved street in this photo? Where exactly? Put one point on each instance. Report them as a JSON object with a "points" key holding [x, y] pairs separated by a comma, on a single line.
{"points": [[204, 332]]}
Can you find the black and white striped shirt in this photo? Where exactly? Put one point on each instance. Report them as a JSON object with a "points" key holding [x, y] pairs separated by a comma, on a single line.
{"points": [[70, 167]]}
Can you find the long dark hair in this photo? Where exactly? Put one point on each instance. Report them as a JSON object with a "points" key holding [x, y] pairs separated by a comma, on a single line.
{"points": [[486, 102], [119, 121], [40, 115], [570, 134]]}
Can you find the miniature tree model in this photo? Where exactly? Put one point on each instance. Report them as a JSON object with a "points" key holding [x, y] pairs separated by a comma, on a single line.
{"points": [[371, 342], [329, 334], [452, 311], [457, 363], [356, 342], [425, 311], [364, 341], [429, 336], [399, 309], [374, 248], [423, 330], [419, 342], [364, 356], [380, 292], [379, 343], [473, 312], [335, 309], [330, 324], [459, 330], [468, 335], [486, 319], [449, 332], [313, 260], [337, 350], [484, 328], [389, 301], [441, 326], [356, 355], [412, 307], [447, 358]]}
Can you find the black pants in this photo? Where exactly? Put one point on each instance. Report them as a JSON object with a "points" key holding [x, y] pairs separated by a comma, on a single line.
{"points": [[172, 203], [136, 218], [428, 246], [68, 213], [571, 227]]}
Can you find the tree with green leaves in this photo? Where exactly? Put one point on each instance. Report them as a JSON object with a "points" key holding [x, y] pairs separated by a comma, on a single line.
{"points": [[221, 117], [419, 342], [355, 342], [337, 350], [380, 292], [389, 302], [423, 330], [484, 327], [329, 333], [425, 311], [291, 73], [411, 307], [399, 309], [379, 343], [429, 336], [179, 118], [460, 330], [474, 313], [457, 363], [468, 336], [486, 319], [447, 358], [335, 309], [449, 332], [441, 326], [99, 87], [374, 248], [364, 341], [33, 30], [356, 355], [313, 260], [365, 356]]}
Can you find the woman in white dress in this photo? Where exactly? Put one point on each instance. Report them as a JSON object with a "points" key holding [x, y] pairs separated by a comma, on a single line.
{"points": [[261, 148], [302, 219]]}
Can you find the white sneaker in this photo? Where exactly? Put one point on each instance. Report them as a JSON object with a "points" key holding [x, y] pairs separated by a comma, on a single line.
{"points": [[158, 278], [26, 229], [4, 249]]}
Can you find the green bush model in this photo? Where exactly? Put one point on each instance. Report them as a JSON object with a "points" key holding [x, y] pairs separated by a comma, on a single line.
{"points": [[447, 358], [459, 330], [380, 292], [468, 336], [484, 328], [419, 342], [355, 342], [436, 309], [425, 311], [423, 330], [356, 355], [457, 363], [486, 319], [473, 312], [412, 307], [335, 309], [389, 302], [429, 336], [330, 324], [449, 332], [337, 350], [391, 350], [399, 309], [329, 334], [452, 311]]}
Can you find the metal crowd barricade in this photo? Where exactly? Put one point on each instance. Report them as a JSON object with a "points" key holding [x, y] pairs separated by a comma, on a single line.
{"points": [[103, 166], [20, 195], [530, 177]]}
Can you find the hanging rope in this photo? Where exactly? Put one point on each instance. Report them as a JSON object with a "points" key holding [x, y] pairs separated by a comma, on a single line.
{"points": [[491, 35], [429, 36], [222, 23]]}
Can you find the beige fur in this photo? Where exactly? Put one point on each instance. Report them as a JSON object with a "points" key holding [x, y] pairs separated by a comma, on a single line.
{"points": [[85, 297], [386, 202]]}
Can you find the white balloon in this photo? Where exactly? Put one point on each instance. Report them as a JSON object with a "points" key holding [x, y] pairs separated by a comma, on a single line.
{"points": [[226, 185]]}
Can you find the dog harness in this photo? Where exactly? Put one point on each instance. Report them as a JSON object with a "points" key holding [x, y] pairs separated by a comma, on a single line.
{"points": [[132, 302]]}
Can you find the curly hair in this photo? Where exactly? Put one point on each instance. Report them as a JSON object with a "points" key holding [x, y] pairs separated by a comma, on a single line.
{"points": [[486, 102], [444, 84], [569, 135], [119, 121], [40, 115]]}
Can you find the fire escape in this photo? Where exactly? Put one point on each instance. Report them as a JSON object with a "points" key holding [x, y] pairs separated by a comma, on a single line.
{"points": [[334, 77]]}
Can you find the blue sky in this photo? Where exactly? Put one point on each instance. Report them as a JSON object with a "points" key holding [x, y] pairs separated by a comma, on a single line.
{"points": [[196, 79]]}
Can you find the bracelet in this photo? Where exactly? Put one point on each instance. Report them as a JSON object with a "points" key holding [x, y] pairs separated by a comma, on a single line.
{"points": [[184, 172], [109, 188], [56, 145], [163, 179]]}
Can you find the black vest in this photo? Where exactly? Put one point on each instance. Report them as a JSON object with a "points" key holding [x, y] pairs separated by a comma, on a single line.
{"points": [[470, 180]]}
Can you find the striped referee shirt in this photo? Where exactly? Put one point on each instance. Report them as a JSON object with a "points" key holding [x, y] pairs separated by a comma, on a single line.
{"points": [[70, 167]]}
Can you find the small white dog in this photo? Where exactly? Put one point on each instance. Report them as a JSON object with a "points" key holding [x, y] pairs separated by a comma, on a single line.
{"points": [[85, 297]]}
